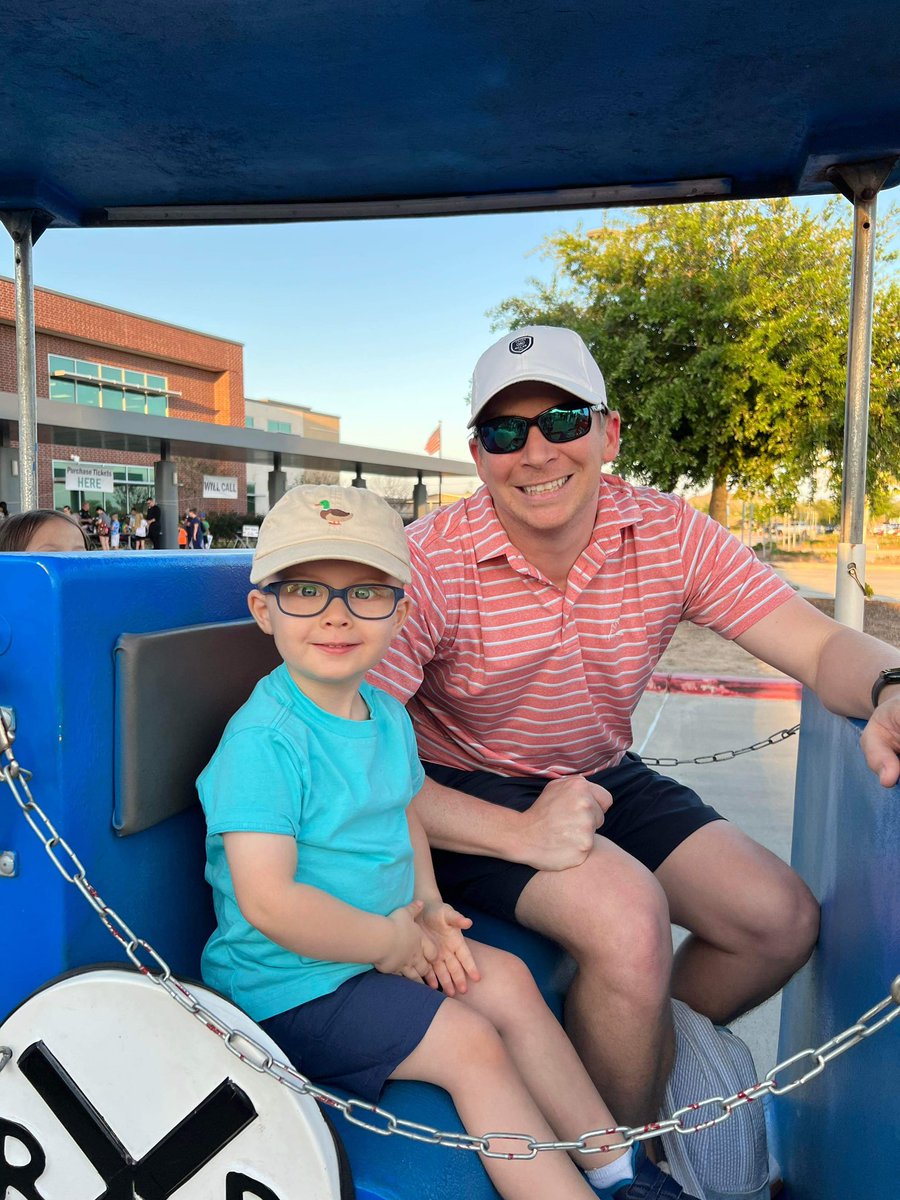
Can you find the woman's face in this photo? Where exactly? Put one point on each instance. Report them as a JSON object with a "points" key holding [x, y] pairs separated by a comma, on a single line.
{"points": [[57, 534]]}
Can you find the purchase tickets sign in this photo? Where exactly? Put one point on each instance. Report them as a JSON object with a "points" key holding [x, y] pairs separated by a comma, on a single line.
{"points": [[220, 487], [89, 479], [110, 1090]]}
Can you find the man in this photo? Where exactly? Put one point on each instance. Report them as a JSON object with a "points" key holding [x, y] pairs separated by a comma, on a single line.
{"points": [[154, 523], [541, 606]]}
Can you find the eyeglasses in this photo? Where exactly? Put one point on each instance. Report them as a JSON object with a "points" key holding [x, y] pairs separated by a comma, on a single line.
{"points": [[506, 435], [305, 598]]}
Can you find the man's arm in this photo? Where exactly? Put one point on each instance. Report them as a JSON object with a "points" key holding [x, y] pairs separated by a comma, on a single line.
{"points": [[840, 665], [557, 832]]}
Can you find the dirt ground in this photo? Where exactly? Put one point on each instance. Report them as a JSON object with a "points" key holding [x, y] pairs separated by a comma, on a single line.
{"points": [[701, 652]]}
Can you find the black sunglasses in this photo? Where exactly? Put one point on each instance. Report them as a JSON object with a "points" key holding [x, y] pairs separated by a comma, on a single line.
{"points": [[506, 435]]}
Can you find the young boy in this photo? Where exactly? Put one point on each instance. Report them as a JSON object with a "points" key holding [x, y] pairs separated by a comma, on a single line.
{"points": [[115, 531], [331, 933]]}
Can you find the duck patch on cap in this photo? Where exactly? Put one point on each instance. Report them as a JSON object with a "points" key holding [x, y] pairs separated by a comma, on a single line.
{"points": [[521, 344], [335, 517]]}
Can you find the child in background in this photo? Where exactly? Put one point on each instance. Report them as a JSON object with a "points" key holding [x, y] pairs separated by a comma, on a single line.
{"points": [[331, 932], [115, 530], [40, 530]]}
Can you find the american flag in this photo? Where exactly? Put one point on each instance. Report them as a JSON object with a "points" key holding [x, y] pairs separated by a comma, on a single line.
{"points": [[433, 445]]}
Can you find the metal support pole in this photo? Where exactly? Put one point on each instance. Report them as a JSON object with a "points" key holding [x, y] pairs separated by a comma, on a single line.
{"points": [[277, 480], [860, 183], [358, 481], [24, 229], [420, 498]]}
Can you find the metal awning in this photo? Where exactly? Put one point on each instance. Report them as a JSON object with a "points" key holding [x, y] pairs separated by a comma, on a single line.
{"points": [[96, 430]]}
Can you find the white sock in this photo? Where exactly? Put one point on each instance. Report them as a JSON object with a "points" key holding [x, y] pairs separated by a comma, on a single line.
{"points": [[620, 1170]]}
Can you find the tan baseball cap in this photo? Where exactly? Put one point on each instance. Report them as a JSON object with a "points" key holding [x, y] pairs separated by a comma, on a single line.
{"points": [[326, 521], [538, 353]]}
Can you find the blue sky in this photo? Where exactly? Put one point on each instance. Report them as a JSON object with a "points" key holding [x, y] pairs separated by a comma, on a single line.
{"points": [[377, 322]]}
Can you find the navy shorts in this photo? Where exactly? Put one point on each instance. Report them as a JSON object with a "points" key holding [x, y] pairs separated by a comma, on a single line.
{"points": [[354, 1037], [650, 816]]}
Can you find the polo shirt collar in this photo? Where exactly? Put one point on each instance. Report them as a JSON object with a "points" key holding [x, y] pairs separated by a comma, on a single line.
{"points": [[617, 509]]}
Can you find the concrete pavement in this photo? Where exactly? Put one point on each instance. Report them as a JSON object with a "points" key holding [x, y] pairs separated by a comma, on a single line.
{"points": [[818, 578]]}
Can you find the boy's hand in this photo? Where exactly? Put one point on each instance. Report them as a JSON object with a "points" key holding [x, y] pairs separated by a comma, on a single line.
{"points": [[453, 964], [411, 948]]}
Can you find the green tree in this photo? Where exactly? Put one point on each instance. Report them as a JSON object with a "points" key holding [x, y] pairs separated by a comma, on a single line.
{"points": [[721, 330]]}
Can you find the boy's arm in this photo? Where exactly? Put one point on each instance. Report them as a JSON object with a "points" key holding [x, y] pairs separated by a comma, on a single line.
{"points": [[454, 964], [311, 922]]}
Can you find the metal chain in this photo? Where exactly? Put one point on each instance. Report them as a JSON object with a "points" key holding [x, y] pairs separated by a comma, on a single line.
{"points": [[723, 755], [371, 1116]]}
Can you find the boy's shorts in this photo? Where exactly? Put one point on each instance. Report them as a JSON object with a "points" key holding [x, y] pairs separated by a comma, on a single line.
{"points": [[650, 816], [354, 1037]]}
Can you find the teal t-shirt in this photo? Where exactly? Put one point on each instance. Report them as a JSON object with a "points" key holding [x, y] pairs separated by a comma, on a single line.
{"points": [[341, 789]]}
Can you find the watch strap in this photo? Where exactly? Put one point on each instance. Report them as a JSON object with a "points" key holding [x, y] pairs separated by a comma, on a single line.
{"points": [[891, 675]]}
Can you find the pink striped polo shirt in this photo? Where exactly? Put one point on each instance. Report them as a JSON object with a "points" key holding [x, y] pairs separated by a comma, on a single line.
{"points": [[503, 671]]}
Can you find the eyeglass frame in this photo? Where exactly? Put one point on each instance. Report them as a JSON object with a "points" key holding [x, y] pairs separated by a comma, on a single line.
{"points": [[531, 421], [274, 589]]}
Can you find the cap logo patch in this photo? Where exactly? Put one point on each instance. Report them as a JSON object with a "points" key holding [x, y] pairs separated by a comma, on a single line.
{"points": [[335, 517], [520, 344]]}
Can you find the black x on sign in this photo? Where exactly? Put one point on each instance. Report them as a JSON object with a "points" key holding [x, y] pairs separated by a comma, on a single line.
{"points": [[160, 1173]]}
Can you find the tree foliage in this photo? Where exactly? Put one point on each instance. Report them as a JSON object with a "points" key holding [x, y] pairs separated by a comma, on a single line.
{"points": [[721, 330]]}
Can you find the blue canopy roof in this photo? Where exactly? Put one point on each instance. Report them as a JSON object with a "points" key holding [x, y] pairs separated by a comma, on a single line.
{"points": [[180, 111]]}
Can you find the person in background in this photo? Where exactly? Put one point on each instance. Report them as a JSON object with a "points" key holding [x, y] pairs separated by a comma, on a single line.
{"points": [[41, 530], [101, 524], [139, 525], [154, 524], [194, 530], [84, 516], [4, 511], [207, 532], [115, 531]]}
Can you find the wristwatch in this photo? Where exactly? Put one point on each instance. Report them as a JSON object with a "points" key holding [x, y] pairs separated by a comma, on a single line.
{"points": [[891, 675]]}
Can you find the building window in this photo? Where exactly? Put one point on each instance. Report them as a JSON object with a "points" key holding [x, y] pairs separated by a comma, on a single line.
{"points": [[77, 381], [251, 498], [249, 423], [278, 426], [132, 486]]}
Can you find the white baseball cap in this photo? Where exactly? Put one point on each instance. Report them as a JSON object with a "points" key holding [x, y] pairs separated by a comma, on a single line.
{"points": [[544, 353], [316, 521]]}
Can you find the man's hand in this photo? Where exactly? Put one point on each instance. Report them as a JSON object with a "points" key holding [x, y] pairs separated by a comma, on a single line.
{"points": [[411, 950], [454, 965], [557, 832], [880, 741]]}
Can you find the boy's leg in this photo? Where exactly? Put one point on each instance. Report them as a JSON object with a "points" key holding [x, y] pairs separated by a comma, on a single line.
{"points": [[553, 1073], [464, 1054]]}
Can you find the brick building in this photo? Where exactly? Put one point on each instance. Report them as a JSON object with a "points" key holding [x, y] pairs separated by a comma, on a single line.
{"points": [[90, 354], [277, 417]]}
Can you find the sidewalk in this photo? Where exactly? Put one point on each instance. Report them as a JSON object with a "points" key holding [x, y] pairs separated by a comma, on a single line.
{"points": [[817, 579]]}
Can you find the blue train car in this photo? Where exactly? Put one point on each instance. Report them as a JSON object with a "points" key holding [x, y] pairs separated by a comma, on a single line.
{"points": [[126, 115]]}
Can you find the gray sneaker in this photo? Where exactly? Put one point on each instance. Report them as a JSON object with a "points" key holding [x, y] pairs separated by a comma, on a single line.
{"points": [[729, 1161]]}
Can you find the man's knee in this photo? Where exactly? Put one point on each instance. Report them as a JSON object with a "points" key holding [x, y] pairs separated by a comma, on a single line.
{"points": [[788, 921], [613, 919]]}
